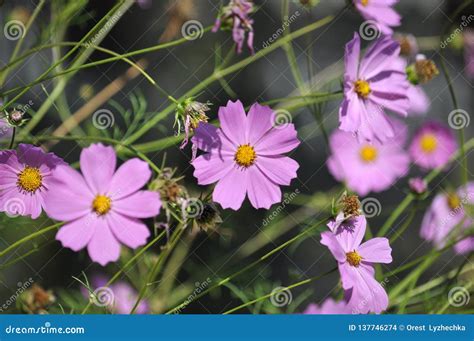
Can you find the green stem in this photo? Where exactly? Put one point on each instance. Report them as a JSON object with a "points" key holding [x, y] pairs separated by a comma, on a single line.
{"points": [[12, 140], [276, 292], [29, 237]]}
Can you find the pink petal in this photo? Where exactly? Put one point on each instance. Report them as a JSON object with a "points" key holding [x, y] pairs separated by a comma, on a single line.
{"points": [[260, 120], [77, 234], [68, 196], [98, 166], [129, 178], [231, 189], [211, 139], [211, 167], [376, 250], [261, 190], [142, 204], [351, 57], [130, 232], [103, 246], [367, 294], [278, 141], [233, 122], [350, 113], [279, 169], [329, 239]]}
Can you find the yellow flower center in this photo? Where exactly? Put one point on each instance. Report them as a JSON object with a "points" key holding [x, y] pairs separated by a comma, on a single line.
{"points": [[245, 155], [364, 2], [362, 88], [368, 153], [30, 179], [453, 201], [353, 258], [428, 143], [101, 204]]}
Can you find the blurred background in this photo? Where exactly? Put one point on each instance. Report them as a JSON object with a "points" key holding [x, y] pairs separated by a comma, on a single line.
{"points": [[247, 234]]}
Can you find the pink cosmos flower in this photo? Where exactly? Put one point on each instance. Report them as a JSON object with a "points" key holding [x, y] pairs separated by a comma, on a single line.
{"points": [[381, 12], [329, 306], [433, 145], [119, 297], [102, 207], [236, 15], [356, 264], [25, 178], [419, 102], [378, 82], [418, 185], [445, 213], [244, 156], [368, 166]]}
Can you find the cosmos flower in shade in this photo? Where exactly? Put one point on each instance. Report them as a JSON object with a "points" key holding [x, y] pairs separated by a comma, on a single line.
{"points": [[329, 306], [419, 102], [381, 12], [25, 178], [244, 156], [119, 298], [356, 265], [102, 207], [368, 166], [469, 52], [408, 45], [448, 211], [378, 82], [236, 16], [433, 145]]}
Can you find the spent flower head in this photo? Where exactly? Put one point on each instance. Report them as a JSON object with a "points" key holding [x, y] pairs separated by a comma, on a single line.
{"points": [[189, 113], [422, 71]]}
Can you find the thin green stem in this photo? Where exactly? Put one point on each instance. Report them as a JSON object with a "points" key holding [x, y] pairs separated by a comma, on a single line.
{"points": [[12, 140], [29, 237]]}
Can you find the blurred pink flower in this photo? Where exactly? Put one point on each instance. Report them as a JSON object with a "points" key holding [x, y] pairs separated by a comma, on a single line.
{"points": [[469, 52], [356, 265], [102, 207], [329, 306], [378, 82], [445, 213], [368, 167], [25, 179], [244, 156], [381, 12], [236, 15], [418, 185], [433, 145]]}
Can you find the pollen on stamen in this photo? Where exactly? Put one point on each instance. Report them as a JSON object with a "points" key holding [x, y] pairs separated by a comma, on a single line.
{"points": [[353, 258], [101, 204], [362, 88], [30, 179], [245, 155]]}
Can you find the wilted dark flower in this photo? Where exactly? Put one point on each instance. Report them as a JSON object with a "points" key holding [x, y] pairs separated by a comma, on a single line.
{"points": [[37, 300], [422, 71], [209, 218], [235, 17], [408, 45], [190, 113]]}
